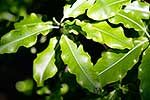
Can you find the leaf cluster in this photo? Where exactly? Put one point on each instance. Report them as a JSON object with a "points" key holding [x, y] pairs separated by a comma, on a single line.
{"points": [[100, 21]]}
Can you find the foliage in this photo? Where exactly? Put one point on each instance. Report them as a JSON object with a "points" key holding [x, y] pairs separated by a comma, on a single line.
{"points": [[101, 21], [11, 8]]}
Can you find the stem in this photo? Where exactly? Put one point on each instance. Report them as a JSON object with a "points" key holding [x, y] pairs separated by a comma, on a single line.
{"points": [[54, 27], [62, 19], [56, 21], [147, 34]]}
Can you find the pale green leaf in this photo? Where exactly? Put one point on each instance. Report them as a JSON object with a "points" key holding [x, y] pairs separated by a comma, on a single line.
{"points": [[44, 65], [32, 20], [28, 20], [128, 20], [104, 9], [103, 33], [140, 9], [112, 66], [77, 8], [79, 63], [132, 16], [25, 34], [144, 71]]}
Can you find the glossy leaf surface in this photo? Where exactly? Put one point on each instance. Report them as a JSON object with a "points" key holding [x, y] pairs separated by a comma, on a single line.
{"points": [[103, 33], [114, 66], [44, 65], [144, 75], [132, 16], [25, 34], [104, 9], [77, 8], [79, 63], [140, 9]]}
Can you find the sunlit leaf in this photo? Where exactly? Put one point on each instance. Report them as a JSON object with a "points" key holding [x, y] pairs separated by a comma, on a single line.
{"points": [[144, 71], [77, 8], [44, 65], [140, 9], [103, 33], [113, 66], [25, 34], [132, 16], [104, 9], [79, 63], [32, 20]]}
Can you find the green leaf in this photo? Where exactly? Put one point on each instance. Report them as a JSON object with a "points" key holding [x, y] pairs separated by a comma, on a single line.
{"points": [[44, 65], [104, 9], [132, 16], [28, 20], [112, 66], [79, 63], [70, 27], [144, 71], [25, 34], [129, 20], [103, 33], [77, 8], [140, 9]]}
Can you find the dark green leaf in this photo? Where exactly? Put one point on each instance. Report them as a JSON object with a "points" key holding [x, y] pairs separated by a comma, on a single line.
{"points": [[144, 71]]}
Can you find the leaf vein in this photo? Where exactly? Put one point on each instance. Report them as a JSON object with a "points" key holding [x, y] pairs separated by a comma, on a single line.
{"points": [[108, 68]]}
